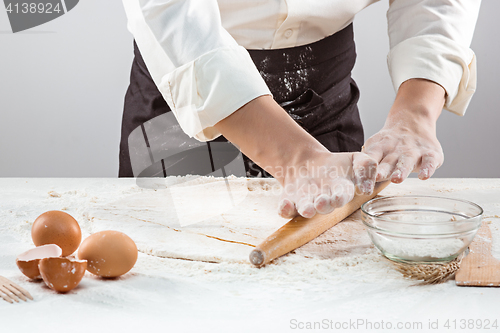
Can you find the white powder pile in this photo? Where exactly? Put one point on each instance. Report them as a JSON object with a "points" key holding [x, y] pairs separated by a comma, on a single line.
{"points": [[421, 249]]}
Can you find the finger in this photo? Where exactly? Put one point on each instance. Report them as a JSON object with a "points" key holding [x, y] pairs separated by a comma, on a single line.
{"points": [[404, 167], [365, 172], [386, 167], [286, 208], [428, 166], [305, 207], [322, 204], [374, 151], [342, 192]]}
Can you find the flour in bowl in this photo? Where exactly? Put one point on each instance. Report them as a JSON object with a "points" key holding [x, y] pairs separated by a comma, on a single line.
{"points": [[421, 249]]}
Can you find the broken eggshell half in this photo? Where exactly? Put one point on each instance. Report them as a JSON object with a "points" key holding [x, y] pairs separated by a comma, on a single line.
{"points": [[62, 274], [28, 261]]}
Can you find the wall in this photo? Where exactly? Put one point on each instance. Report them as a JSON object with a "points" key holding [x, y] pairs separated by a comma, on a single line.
{"points": [[62, 86]]}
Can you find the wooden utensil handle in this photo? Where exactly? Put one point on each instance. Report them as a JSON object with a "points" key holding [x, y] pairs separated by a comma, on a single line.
{"points": [[479, 268], [482, 241], [299, 230]]}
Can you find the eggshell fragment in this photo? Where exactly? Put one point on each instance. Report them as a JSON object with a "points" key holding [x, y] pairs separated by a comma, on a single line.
{"points": [[56, 227], [28, 261], [62, 274], [109, 253]]}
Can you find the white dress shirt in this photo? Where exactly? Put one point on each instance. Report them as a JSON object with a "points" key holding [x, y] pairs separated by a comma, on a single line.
{"points": [[196, 52]]}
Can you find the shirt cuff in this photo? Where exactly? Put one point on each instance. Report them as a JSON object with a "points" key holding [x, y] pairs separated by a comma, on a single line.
{"points": [[204, 91], [438, 59]]}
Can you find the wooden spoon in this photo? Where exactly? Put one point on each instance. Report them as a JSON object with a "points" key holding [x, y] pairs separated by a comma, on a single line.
{"points": [[479, 268]]}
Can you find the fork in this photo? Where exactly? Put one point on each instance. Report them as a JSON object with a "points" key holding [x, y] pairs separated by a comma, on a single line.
{"points": [[10, 291]]}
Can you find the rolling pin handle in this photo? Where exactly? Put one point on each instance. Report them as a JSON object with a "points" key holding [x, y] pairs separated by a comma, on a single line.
{"points": [[257, 257]]}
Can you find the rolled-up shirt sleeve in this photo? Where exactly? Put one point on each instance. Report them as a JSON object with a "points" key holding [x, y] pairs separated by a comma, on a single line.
{"points": [[430, 39], [200, 70]]}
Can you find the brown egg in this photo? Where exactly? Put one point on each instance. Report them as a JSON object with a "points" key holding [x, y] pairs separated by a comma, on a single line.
{"points": [[56, 227], [62, 274], [28, 261], [108, 253]]}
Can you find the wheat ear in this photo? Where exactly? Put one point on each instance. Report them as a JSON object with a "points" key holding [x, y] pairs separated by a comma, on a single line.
{"points": [[434, 273]]}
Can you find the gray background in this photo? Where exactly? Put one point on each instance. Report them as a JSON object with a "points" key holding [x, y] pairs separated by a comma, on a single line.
{"points": [[62, 86]]}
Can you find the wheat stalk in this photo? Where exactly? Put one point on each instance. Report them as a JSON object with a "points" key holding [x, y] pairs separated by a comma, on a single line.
{"points": [[430, 273]]}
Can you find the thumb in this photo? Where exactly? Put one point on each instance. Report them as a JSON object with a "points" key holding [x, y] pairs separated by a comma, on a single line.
{"points": [[364, 172]]}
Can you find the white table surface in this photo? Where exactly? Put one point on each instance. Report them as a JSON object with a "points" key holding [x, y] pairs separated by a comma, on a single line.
{"points": [[171, 295]]}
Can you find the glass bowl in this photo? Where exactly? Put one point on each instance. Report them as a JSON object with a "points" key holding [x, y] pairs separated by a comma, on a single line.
{"points": [[421, 229]]}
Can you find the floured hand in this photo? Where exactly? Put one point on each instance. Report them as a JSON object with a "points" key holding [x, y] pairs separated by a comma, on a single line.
{"points": [[407, 142], [323, 181], [405, 148]]}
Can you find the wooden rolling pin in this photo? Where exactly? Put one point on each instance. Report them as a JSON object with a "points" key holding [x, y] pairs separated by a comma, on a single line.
{"points": [[299, 230]]}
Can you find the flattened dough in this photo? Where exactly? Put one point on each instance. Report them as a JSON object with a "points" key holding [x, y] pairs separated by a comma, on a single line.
{"points": [[162, 221]]}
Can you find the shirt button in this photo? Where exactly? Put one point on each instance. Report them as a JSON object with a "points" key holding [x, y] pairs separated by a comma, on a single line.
{"points": [[288, 33]]}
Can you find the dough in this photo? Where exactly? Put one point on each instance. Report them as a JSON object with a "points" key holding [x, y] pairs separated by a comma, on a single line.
{"points": [[194, 219]]}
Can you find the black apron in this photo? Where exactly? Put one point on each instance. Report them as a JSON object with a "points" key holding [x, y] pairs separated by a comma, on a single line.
{"points": [[312, 83]]}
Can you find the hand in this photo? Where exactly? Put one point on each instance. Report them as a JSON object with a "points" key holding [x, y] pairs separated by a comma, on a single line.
{"points": [[408, 141], [313, 179], [324, 182], [403, 148]]}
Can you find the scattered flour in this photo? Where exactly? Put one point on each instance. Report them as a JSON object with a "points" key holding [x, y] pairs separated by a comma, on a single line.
{"points": [[338, 276]]}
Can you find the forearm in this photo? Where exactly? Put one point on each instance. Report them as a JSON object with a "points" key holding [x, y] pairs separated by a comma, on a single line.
{"points": [[417, 102], [269, 136]]}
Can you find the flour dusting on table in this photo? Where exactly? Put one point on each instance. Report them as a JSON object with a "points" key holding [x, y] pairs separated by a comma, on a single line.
{"points": [[336, 276]]}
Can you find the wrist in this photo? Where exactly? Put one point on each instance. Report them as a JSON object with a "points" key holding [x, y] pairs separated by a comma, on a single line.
{"points": [[418, 101]]}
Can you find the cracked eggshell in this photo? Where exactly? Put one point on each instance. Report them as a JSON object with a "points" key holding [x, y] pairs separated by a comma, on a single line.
{"points": [[28, 261], [56, 227], [62, 274], [108, 253]]}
